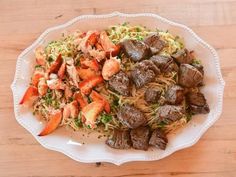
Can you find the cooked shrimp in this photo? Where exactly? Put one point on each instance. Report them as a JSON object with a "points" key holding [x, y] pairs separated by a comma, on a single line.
{"points": [[86, 45], [40, 56], [42, 86], [38, 73], [71, 110], [68, 92], [110, 67], [72, 72], [62, 70], [31, 92], [55, 84], [99, 55]]}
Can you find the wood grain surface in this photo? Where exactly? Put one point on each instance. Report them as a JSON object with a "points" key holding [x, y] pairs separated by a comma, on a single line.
{"points": [[21, 22]]}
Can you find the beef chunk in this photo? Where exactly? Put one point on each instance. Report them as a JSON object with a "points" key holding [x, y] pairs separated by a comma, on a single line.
{"points": [[158, 139], [144, 72], [170, 113], [199, 67], [120, 139], [120, 83], [165, 64], [136, 50], [131, 116], [183, 56], [140, 138], [148, 64], [152, 95], [197, 103], [155, 43], [175, 94], [189, 76]]}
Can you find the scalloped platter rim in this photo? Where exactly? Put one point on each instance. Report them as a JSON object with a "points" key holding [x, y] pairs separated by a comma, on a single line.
{"points": [[84, 148]]}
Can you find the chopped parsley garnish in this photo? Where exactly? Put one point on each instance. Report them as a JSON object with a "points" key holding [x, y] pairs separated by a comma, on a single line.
{"points": [[140, 38], [196, 61], [49, 101], [48, 97], [138, 29], [88, 126], [189, 116], [37, 66], [50, 59], [74, 89], [78, 122], [70, 99], [115, 103], [89, 100], [155, 106], [125, 24], [162, 124], [105, 118], [55, 104]]}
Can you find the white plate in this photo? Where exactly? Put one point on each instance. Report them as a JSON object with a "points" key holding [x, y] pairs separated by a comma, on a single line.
{"points": [[94, 149]]}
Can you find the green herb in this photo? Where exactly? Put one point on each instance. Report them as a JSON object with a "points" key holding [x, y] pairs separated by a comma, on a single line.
{"points": [[119, 55], [138, 29], [78, 122], [49, 101], [189, 116], [161, 124], [55, 104], [115, 103], [89, 100], [125, 24], [155, 106], [88, 126], [48, 97], [105, 118], [140, 38], [70, 99], [196, 61], [51, 43], [50, 59], [37, 66], [74, 89]]}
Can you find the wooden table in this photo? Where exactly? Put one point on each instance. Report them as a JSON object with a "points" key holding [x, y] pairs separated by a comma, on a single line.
{"points": [[21, 22]]}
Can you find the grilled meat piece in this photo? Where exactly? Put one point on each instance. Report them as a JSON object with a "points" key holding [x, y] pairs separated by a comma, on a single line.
{"points": [[158, 139], [152, 95], [189, 76], [140, 138], [136, 50], [120, 139], [197, 103], [170, 113], [183, 56], [174, 95], [131, 116], [120, 83], [144, 72], [155, 43], [165, 64]]}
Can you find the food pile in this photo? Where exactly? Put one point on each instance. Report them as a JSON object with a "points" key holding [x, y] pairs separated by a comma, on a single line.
{"points": [[133, 84]]}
